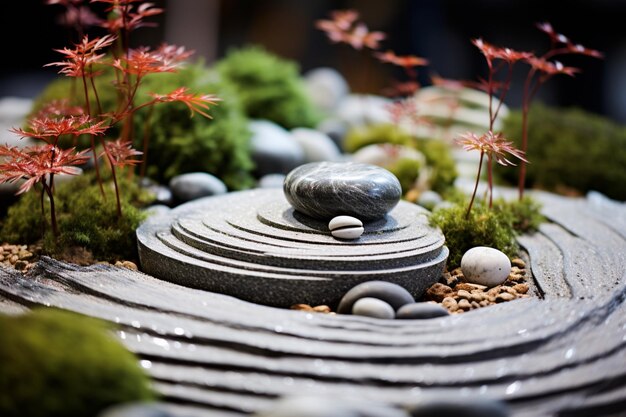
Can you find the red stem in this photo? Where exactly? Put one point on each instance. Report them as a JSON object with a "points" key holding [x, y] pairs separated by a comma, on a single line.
{"points": [[480, 165], [117, 191], [490, 178]]}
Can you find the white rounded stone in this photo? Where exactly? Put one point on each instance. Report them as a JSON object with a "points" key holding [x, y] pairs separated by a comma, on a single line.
{"points": [[346, 227], [485, 266], [373, 307]]}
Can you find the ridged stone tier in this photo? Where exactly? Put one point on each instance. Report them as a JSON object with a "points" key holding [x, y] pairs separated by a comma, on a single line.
{"points": [[212, 355], [254, 246]]}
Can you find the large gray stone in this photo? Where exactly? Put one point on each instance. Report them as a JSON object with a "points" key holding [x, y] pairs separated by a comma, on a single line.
{"points": [[255, 246], [324, 190], [273, 150]]}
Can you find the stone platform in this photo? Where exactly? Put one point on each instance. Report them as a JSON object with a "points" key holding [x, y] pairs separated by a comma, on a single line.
{"points": [[254, 246]]}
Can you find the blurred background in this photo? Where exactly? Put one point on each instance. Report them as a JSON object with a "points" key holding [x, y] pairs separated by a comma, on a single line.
{"points": [[439, 30]]}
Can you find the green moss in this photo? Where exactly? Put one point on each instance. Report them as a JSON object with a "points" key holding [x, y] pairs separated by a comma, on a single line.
{"points": [[61, 364], [438, 156], [484, 227], [570, 149], [84, 219], [359, 137], [180, 143], [407, 171], [526, 214], [269, 87]]}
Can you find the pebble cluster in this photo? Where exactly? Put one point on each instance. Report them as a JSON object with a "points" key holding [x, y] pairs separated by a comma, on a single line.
{"points": [[452, 292], [457, 295], [24, 257], [20, 257]]}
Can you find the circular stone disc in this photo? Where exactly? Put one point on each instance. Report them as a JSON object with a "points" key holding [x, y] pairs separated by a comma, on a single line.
{"points": [[254, 246]]}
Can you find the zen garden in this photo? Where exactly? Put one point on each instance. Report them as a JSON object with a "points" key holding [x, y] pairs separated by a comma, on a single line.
{"points": [[241, 238]]}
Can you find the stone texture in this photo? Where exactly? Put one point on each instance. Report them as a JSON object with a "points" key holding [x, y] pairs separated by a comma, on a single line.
{"points": [[272, 148], [395, 295], [213, 354], [373, 307], [324, 190], [194, 185], [421, 311], [485, 266], [255, 246]]}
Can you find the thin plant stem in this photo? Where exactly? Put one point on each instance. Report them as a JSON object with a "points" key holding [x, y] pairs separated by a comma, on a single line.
{"points": [[480, 165], [146, 141], [93, 143], [114, 176]]}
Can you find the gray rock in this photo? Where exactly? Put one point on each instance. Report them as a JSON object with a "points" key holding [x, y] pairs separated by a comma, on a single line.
{"points": [[359, 109], [303, 405], [421, 311], [162, 194], [429, 199], [135, 409], [326, 87], [393, 294], [335, 129], [456, 406], [386, 154], [317, 146], [271, 181], [485, 266], [194, 185], [373, 307], [324, 190], [273, 150]]}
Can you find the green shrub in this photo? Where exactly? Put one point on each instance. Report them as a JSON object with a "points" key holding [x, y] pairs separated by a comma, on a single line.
{"points": [[570, 149], [407, 171], [269, 87], [85, 220], [437, 153], [61, 364]]}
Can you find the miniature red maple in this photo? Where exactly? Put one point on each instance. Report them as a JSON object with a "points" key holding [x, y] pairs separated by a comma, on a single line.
{"points": [[496, 147], [541, 70]]}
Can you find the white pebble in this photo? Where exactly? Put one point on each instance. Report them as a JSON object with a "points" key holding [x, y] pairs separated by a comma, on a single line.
{"points": [[373, 307], [485, 266], [346, 227]]}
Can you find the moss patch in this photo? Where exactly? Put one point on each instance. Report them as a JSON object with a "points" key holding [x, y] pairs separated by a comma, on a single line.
{"points": [[60, 364]]}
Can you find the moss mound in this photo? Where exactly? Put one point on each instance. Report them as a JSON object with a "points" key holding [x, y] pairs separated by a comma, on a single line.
{"points": [[570, 149], [85, 219], [269, 87], [496, 228], [60, 364], [439, 159]]}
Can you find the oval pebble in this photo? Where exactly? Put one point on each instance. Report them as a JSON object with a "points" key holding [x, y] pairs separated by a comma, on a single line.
{"points": [[485, 266], [393, 294], [346, 227], [373, 307], [421, 311], [455, 406]]}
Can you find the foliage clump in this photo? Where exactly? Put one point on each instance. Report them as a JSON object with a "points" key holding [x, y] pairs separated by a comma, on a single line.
{"points": [[269, 87], [571, 150], [61, 364], [84, 221], [496, 227], [439, 159], [180, 144]]}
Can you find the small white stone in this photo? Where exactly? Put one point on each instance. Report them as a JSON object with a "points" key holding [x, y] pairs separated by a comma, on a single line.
{"points": [[485, 266], [373, 307], [346, 227]]}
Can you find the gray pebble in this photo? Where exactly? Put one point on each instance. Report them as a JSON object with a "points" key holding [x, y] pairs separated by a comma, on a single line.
{"points": [[455, 406], [421, 311], [393, 294], [187, 187], [429, 199], [135, 409], [373, 307]]}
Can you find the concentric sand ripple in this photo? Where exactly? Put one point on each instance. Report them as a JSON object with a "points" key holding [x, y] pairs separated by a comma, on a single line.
{"points": [[216, 355]]}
